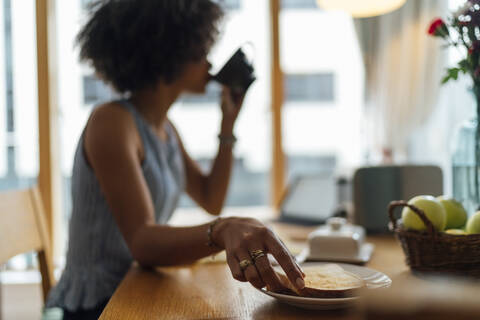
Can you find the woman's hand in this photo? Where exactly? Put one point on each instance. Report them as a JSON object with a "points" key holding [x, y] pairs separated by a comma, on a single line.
{"points": [[240, 237], [231, 104]]}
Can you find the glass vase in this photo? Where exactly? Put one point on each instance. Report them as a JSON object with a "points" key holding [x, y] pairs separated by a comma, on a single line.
{"points": [[466, 168]]}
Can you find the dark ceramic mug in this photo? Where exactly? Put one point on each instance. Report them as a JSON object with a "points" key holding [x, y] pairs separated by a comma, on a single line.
{"points": [[237, 73]]}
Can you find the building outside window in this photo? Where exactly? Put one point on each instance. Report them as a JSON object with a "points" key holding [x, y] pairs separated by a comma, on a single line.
{"points": [[323, 83], [231, 4], [299, 4], [310, 87], [211, 96], [96, 91]]}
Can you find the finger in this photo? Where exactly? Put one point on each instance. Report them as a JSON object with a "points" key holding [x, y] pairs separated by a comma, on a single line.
{"points": [[234, 97], [227, 100], [237, 98], [250, 272], [226, 94], [268, 275], [293, 258], [234, 266], [226, 90], [285, 260]]}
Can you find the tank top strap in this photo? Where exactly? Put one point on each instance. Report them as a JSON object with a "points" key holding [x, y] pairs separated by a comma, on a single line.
{"points": [[139, 121], [145, 131], [171, 133]]}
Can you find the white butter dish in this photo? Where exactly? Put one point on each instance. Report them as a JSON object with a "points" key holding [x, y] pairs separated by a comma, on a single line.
{"points": [[338, 241]]}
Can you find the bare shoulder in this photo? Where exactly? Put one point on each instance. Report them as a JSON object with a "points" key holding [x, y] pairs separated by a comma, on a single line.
{"points": [[111, 127], [110, 116]]}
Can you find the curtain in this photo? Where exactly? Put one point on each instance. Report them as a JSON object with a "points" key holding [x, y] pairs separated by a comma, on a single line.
{"points": [[403, 70]]}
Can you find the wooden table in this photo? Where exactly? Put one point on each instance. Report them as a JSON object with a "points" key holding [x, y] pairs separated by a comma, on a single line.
{"points": [[207, 291]]}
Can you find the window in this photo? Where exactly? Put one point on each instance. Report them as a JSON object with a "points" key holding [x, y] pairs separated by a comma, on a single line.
{"points": [[227, 4], [9, 66], [95, 90], [319, 140], [309, 87], [299, 4], [304, 164], [199, 123], [248, 187], [18, 132], [230, 4], [11, 162], [86, 3], [212, 95], [18, 102]]}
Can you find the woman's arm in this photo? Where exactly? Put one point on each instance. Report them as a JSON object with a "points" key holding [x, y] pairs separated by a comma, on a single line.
{"points": [[210, 190], [156, 245], [114, 150]]}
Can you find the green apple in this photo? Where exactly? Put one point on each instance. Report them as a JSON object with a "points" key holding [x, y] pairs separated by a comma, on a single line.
{"points": [[456, 213], [473, 224], [432, 208], [456, 232]]}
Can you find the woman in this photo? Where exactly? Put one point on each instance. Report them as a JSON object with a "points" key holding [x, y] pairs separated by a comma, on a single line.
{"points": [[130, 165]]}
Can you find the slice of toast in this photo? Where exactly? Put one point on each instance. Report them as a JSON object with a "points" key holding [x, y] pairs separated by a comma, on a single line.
{"points": [[325, 281]]}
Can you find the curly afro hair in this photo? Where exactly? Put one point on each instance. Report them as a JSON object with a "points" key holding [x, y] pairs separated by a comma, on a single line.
{"points": [[132, 44]]}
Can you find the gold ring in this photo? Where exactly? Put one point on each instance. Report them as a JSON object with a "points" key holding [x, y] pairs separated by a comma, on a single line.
{"points": [[255, 254], [245, 263]]}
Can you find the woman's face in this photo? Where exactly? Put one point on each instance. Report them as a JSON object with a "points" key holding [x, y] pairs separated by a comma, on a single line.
{"points": [[196, 76]]}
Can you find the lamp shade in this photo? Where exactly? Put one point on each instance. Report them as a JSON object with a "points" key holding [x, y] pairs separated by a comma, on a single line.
{"points": [[362, 8]]}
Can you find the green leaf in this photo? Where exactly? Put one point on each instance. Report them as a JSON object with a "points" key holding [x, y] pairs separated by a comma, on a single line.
{"points": [[452, 74], [445, 79], [464, 65]]}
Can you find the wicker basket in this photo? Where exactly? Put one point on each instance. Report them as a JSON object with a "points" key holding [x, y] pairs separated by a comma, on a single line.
{"points": [[433, 251]]}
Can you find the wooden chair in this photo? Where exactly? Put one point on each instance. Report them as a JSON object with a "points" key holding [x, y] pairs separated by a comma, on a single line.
{"points": [[23, 229]]}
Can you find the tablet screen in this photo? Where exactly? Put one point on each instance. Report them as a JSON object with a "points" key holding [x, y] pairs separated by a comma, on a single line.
{"points": [[311, 198]]}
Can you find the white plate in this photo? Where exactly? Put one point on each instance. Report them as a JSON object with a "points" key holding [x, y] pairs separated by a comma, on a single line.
{"points": [[373, 280]]}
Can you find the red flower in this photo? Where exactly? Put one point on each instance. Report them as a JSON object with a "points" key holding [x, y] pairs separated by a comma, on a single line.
{"points": [[474, 48], [476, 73], [438, 28]]}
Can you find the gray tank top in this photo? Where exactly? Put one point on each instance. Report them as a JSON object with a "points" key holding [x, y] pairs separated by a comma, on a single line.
{"points": [[98, 257]]}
